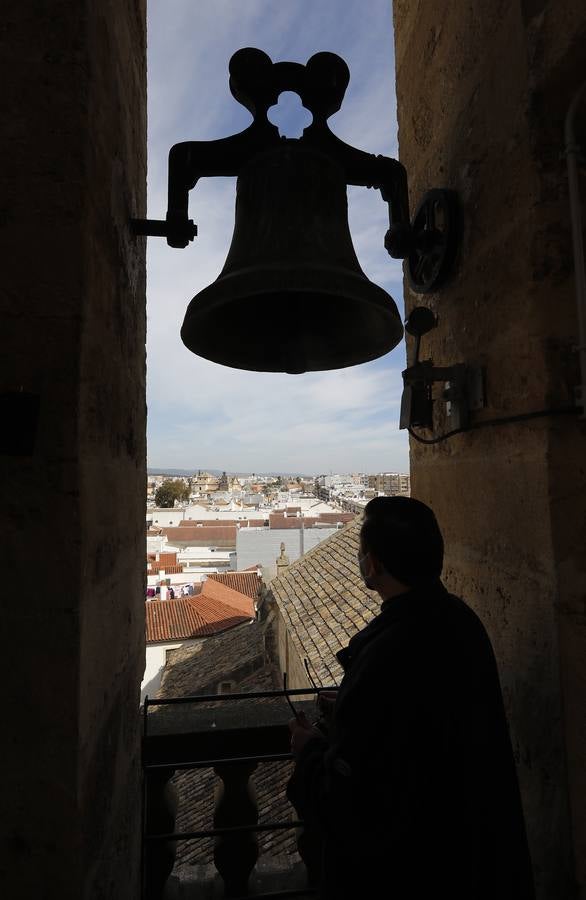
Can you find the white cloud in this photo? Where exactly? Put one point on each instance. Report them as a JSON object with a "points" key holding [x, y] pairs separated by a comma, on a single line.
{"points": [[209, 415]]}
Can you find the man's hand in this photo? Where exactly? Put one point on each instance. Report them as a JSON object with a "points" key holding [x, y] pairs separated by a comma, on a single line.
{"points": [[301, 733], [325, 703]]}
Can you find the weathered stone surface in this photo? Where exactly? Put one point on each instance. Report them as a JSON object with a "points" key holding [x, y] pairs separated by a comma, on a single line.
{"points": [[482, 91], [317, 605], [72, 173]]}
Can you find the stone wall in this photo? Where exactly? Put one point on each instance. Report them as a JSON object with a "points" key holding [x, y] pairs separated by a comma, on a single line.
{"points": [[72, 173], [280, 647], [482, 92]]}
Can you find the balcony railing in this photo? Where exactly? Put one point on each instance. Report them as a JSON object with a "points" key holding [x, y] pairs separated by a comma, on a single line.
{"points": [[232, 738]]}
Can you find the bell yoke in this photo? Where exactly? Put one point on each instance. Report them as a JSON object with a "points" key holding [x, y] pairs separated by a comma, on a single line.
{"points": [[291, 296]]}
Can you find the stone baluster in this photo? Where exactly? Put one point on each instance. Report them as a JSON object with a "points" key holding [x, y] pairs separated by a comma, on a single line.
{"points": [[235, 854], [161, 809]]}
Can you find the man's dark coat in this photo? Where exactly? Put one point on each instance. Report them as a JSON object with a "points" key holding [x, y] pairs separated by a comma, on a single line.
{"points": [[415, 793]]}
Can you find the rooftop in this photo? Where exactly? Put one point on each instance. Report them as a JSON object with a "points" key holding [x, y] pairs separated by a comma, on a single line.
{"points": [[216, 608], [204, 535], [247, 583], [324, 602]]}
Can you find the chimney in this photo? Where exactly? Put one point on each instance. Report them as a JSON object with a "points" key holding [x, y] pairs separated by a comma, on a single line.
{"points": [[282, 560]]}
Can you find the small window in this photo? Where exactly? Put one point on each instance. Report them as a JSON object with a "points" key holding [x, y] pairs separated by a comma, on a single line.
{"points": [[225, 687]]}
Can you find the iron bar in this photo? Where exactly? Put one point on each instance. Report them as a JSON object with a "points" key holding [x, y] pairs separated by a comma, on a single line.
{"points": [[280, 895], [143, 820], [223, 761], [259, 695], [215, 832], [161, 228]]}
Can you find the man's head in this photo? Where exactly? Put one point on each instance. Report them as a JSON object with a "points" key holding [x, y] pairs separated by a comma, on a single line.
{"points": [[401, 546]]}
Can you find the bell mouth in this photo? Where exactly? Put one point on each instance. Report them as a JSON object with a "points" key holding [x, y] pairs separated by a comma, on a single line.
{"points": [[293, 322]]}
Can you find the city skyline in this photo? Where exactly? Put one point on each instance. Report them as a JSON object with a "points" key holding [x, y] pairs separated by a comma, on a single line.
{"points": [[189, 471], [344, 420]]}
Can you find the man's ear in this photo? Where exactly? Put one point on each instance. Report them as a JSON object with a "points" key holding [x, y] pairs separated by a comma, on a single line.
{"points": [[377, 566]]}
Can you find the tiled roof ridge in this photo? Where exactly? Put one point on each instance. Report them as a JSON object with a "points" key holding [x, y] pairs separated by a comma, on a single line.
{"points": [[177, 621], [197, 616], [206, 631], [235, 599], [202, 605], [247, 583]]}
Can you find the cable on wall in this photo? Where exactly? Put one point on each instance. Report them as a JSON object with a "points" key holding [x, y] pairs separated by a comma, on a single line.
{"points": [[521, 417]]}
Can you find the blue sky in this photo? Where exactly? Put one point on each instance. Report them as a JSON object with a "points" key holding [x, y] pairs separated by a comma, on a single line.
{"points": [[201, 414]]}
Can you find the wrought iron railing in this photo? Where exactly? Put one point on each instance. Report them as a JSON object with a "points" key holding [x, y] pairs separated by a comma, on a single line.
{"points": [[173, 742]]}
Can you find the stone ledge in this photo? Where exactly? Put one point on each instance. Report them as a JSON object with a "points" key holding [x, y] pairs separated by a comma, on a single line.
{"points": [[180, 733], [271, 873]]}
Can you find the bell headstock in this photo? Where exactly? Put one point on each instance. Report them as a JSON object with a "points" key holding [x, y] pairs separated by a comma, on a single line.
{"points": [[256, 81]]}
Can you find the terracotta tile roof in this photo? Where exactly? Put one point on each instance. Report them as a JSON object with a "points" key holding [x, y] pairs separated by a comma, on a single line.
{"points": [[156, 568], [217, 592], [169, 559], [206, 535], [169, 620], [324, 602], [215, 608], [253, 523], [245, 582], [336, 517], [292, 522]]}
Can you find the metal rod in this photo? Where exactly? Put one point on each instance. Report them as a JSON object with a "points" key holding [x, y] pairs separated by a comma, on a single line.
{"points": [[259, 695], [224, 761], [215, 832], [143, 821], [280, 895], [154, 227], [162, 228]]}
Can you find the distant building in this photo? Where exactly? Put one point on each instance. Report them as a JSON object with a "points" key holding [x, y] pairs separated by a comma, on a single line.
{"points": [[390, 483], [204, 483], [164, 517], [263, 545]]}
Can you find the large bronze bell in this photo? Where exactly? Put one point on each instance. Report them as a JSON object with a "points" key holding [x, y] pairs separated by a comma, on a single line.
{"points": [[291, 296]]}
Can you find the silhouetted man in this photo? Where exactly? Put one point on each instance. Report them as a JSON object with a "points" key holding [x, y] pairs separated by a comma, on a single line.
{"points": [[414, 793]]}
